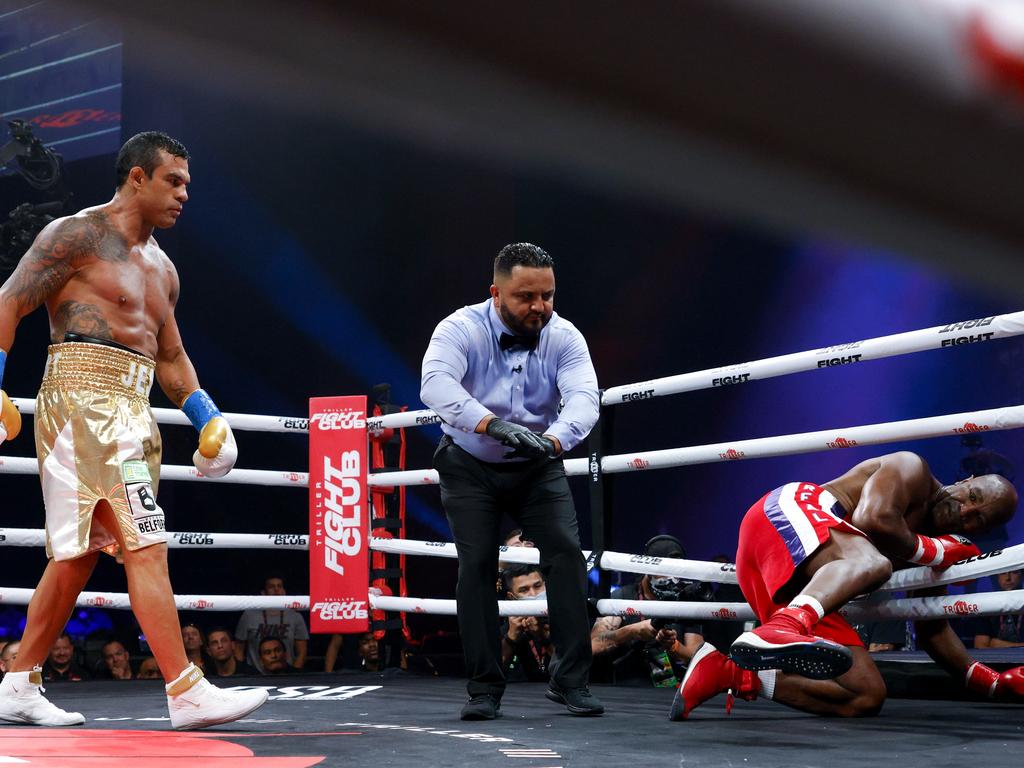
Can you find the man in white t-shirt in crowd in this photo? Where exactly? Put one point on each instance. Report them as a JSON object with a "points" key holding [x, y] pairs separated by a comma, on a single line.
{"points": [[285, 624]]}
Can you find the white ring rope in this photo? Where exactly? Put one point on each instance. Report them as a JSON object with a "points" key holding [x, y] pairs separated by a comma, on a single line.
{"points": [[947, 606], [519, 555], [36, 537], [719, 573], [614, 561], [258, 423], [401, 420], [938, 337], [119, 601], [987, 564], [440, 607], [993, 419], [669, 609], [944, 607], [917, 608], [245, 421], [22, 465], [1011, 417]]}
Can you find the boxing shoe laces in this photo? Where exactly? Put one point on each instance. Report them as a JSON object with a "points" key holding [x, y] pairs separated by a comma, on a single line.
{"points": [[786, 642], [194, 703], [710, 673], [22, 701]]}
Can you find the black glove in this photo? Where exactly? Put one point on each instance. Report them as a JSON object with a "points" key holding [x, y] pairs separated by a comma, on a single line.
{"points": [[523, 442]]}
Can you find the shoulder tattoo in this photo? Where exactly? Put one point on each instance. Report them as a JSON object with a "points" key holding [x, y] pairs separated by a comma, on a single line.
{"points": [[55, 256]]}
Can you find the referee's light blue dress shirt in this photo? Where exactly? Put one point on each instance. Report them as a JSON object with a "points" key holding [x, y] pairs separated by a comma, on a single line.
{"points": [[467, 376]]}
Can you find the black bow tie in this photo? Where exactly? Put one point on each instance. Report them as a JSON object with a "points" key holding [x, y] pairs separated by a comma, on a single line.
{"points": [[508, 341]]}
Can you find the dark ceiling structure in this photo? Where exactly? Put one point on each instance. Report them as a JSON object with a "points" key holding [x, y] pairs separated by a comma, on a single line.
{"points": [[873, 127]]}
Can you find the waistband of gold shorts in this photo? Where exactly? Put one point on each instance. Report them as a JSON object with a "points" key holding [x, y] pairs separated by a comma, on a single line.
{"points": [[98, 368]]}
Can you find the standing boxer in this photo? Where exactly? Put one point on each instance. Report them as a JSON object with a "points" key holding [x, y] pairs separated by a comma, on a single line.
{"points": [[110, 293]]}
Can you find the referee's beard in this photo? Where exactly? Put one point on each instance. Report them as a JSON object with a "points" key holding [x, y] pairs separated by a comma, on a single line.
{"points": [[531, 325]]}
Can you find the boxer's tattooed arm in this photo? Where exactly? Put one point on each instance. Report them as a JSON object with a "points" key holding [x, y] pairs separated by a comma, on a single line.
{"points": [[57, 254], [77, 317], [178, 392]]}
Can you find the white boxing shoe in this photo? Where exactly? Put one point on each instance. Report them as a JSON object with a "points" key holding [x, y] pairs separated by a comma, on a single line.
{"points": [[195, 703], [22, 702]]}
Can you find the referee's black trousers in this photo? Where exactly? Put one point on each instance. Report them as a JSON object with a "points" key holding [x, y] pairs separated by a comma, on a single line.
{"points": [[536, 495]]}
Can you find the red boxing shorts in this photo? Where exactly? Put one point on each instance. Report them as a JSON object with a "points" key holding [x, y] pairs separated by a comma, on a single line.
{"points": [[784, 528]]}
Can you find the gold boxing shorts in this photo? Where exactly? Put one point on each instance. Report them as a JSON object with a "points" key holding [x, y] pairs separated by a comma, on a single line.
{"points": [[96, 438]]}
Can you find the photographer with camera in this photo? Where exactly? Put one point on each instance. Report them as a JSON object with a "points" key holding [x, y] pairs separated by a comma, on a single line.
{"points": [[525, 640], [631, 648]]}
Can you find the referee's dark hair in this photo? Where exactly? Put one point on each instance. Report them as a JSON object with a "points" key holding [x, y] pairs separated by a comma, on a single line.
{"points": [[521, 255]]}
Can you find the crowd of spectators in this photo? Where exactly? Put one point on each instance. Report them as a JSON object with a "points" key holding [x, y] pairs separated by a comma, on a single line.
{"points": [[630, 649]]}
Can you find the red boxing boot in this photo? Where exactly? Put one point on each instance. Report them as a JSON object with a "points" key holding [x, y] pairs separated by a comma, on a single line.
{"points": [[709, 674], [786, 642]]}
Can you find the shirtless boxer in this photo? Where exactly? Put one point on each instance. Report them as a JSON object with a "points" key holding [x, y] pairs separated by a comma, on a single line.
{"points": [[110, 293], [807, 550]]}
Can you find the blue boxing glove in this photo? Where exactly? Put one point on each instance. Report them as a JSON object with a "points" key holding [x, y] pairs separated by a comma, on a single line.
{"points": [[217, 451], [10, 418]]}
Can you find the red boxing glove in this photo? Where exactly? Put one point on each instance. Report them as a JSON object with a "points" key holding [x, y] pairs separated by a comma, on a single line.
{"points": [[982, 680], [943, 551], [1010, 686], [985, 681]]}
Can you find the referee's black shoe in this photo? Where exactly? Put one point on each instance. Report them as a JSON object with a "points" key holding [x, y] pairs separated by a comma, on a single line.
{"points": [[483, 707], [579, 701]]}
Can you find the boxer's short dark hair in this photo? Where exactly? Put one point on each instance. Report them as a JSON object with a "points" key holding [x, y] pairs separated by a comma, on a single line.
{"points": [[143, 150]]}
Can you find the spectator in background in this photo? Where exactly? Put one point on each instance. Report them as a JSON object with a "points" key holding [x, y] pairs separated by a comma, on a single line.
{"points": [[1005, 630], [149, 670], [369, 653], [273, 658], [116, 662], [526, 640], [220, 648], [513, 538], [193, 640], [883, 636], [9, 654], [61, 664], [284, 624], [653, 649]]}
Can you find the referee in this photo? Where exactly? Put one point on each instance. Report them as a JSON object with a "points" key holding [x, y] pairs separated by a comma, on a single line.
{"points": [[496, 372]]}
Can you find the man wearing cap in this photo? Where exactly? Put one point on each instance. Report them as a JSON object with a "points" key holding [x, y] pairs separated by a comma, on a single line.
{"points": [[639, 649]]}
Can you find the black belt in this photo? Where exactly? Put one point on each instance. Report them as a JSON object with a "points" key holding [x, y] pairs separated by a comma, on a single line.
{"points": [[83, 339]]}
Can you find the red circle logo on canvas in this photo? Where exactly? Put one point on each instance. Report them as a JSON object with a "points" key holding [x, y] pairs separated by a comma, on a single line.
{"points": [[53, 748]]}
